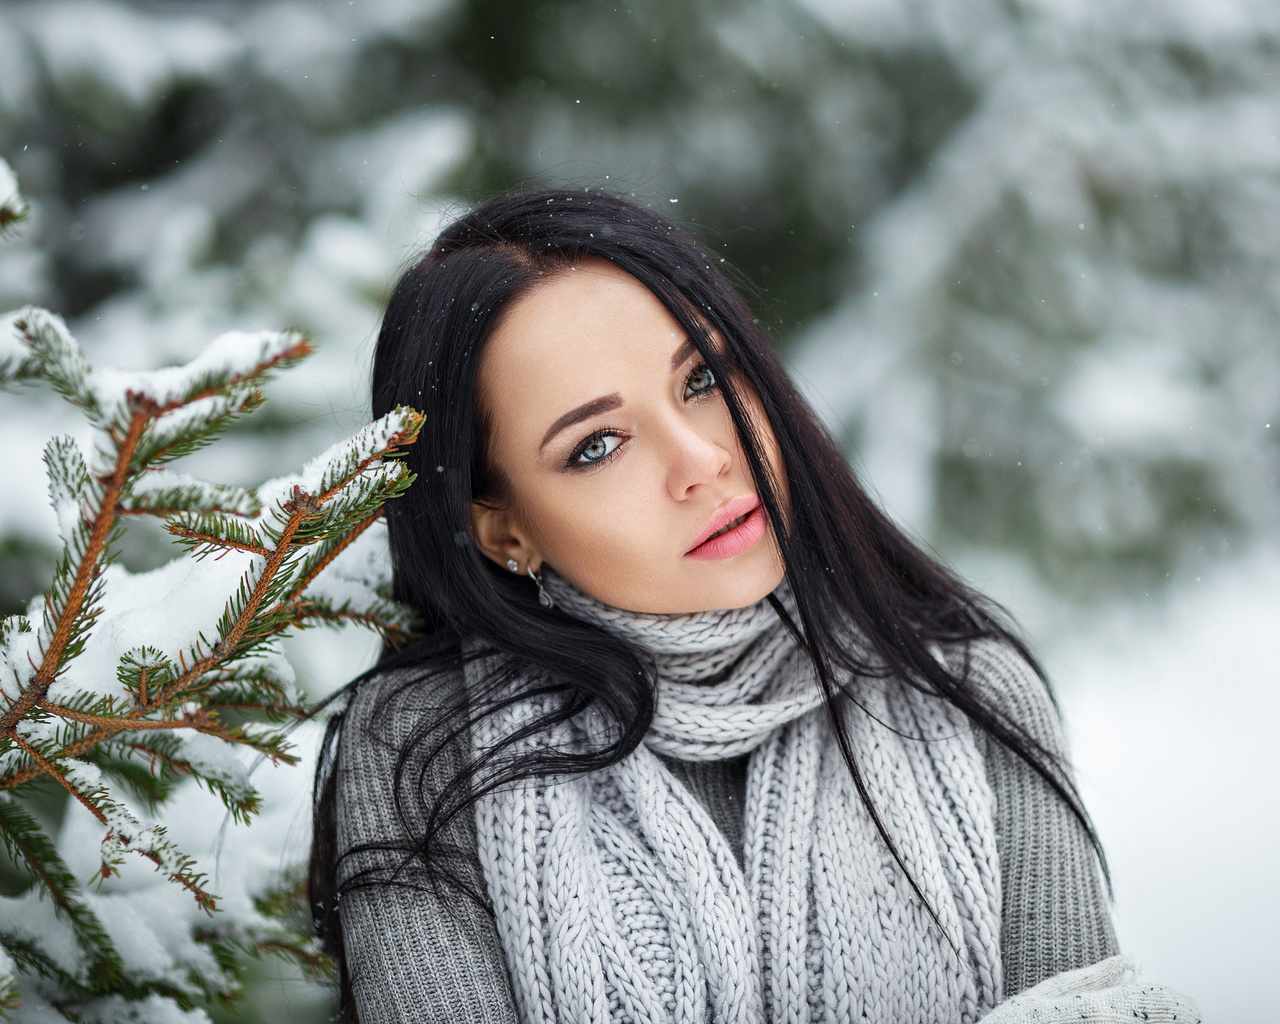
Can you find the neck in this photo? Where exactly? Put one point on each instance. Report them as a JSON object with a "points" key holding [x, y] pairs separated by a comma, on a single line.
{"points": [[692, 647]]}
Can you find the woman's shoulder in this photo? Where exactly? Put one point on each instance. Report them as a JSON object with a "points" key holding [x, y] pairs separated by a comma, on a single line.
{"points": [[396, 733], [397, 754], [388, 707], [1004, 677]]}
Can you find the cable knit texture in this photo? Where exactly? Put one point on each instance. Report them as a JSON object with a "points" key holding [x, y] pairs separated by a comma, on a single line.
{"points": [[617, 897], [415, 954]]}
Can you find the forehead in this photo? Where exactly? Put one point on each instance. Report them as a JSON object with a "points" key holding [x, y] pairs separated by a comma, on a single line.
{"points": [[591, 304], [585, 331]]}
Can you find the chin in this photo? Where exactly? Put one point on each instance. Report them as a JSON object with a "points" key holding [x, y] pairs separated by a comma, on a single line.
{"points": [[700, 587], [739, 592]]}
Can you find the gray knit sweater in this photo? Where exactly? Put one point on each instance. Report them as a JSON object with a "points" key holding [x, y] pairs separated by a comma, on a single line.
{"points": [[414, 957]]}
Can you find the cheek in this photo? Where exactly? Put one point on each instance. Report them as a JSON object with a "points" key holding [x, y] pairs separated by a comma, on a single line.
{"points": [[608, 525], [772, 451]]}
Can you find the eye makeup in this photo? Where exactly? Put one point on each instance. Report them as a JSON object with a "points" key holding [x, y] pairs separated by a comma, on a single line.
{"points": [[700, 383]]}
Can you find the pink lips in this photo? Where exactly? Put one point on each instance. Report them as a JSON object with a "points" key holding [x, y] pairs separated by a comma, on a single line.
{"points": [[733, 541]]}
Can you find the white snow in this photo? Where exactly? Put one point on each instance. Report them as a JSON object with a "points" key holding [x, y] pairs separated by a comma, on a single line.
{"points": [[332, 465], [7, 967], [1172, 709], [66, 484], [1169, 704], [19, 651], [17, 75], [309, 48], [1136, 396], [10, 198], [195, 494], [217, 760], [233, 355], [168, 608], [31, 916], [154, 919], [115, 1010], [11, 345]]}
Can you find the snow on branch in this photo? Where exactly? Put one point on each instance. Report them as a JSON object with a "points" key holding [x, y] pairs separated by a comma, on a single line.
{"points": [[16, 361], [177, 402], [118, 685], [163, 492], [13, 208]]}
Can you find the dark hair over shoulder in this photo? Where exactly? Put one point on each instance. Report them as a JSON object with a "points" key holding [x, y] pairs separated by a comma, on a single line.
{"points": [[846, 562]]}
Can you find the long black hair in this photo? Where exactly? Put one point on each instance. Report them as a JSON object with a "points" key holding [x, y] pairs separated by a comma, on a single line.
{"points": [[846, 562]]}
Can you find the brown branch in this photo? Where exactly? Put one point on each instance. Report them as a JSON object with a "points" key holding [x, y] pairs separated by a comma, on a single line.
{"points": [[325, 562], [303, 505], [143, 410], [196, 721], [308, 610], [205, 900], [396, 440], [302, 348], [62, 780], [154, 756], [107, 731], [298, 351], [204, 538], [304, 610], [180, 765], [85, 743], [165, 512]]}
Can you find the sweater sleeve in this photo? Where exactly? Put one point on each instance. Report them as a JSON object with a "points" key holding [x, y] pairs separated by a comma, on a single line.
{"points": [[1055, 914], [411, 954]]}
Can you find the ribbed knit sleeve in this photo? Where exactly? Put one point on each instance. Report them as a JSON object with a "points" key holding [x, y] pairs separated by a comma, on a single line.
{"points": [[411, 956], [1055, 912]]}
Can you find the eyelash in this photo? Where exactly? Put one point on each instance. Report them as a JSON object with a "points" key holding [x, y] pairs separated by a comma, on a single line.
{"points": [[572, 462]]}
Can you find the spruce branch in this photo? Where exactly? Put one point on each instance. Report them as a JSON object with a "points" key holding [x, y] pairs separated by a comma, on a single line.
{"points": [[198, 720], [163, 493], [204, 533], [98, 694], [13, 208], [126, 833], [58, 358], [10, 992], [28, 845], [68, 616]]}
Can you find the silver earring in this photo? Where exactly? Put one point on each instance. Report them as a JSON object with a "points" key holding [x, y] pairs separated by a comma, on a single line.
{"points": [[544, 598], [513, 565]]}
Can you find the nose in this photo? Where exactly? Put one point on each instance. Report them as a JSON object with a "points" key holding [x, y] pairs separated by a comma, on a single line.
{"points": [[696, 458]]}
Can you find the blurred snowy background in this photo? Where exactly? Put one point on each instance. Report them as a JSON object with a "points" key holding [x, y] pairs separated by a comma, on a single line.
{"points": [[1024, 254]]}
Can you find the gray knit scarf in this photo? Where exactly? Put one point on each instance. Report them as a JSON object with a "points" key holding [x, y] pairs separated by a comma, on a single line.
{"points": [[618, 899]]}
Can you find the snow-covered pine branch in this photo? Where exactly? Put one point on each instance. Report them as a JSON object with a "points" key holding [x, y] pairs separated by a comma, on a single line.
{"points": [[13, 208], [116, 686]]}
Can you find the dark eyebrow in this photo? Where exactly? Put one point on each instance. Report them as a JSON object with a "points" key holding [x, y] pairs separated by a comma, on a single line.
{"points": [[682, 353], [583, 412], [607, 403]]}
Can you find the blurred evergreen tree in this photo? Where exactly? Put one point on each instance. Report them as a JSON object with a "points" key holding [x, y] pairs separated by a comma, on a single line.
{"points": [[1023, 252], [224, 164], [903, 186]]}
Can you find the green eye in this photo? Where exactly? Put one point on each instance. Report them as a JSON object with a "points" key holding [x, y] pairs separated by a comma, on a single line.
{"points": [[597, 449], [699, 382]]}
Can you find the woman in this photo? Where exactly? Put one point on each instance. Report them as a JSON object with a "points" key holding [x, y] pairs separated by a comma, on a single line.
{"points": [[694, 732]]}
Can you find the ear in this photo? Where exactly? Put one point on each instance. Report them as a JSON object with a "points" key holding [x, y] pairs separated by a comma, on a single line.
{"points": [[501, 536]]}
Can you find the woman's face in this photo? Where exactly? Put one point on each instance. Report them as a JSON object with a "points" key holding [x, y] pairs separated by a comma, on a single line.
{"points": [[619, 454]]}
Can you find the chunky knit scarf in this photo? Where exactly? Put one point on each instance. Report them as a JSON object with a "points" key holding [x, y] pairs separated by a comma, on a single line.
{"points": [[618, 899]]}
